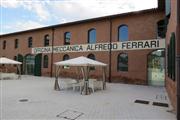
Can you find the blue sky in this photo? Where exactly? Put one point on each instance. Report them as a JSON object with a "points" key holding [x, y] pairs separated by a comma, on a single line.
{"points": [[19, 15]]}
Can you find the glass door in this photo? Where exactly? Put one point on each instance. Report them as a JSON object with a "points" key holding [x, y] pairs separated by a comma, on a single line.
{"points": [[156, 68]]}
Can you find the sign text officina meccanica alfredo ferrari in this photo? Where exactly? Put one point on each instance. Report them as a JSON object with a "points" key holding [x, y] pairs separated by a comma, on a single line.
{"points": [[114, 46]]}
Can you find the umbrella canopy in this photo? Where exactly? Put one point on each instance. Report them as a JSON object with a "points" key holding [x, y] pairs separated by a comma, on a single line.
{"points": [[4, 60], [80, 61]]}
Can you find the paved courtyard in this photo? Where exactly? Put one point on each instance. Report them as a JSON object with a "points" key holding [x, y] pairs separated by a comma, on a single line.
{"points": [[116, 102]]}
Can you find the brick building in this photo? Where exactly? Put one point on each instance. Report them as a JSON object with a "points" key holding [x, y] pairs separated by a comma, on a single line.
{"points": [[173, 53], [132, 44], [31, 46]]}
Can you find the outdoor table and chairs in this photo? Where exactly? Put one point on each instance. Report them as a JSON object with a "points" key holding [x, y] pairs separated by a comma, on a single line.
{"points": [[83, 65], [93, 84]]}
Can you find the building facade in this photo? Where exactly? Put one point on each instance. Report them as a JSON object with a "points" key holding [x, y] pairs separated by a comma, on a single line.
{"points": [[173, 53], [131, 44]]}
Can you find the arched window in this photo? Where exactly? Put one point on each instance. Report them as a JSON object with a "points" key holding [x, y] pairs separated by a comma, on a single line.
{"points": [[67, 38], [16, 43], [92, 36], [66, 57], [92, 56], [123, 33], [161, 28], [15, 57], [122, 62], [45, 61], [30, 42], [46, 40], [4, 44]]}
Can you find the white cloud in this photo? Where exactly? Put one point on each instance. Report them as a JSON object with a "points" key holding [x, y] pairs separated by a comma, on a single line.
{"points": [[20, 26], [82, 9], [9, 3], [38, 7], [78, 9], [60, 11]]}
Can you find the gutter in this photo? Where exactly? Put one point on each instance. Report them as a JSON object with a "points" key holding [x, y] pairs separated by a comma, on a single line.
{"points": [[52, 53], [178, 59], [110, 52]]}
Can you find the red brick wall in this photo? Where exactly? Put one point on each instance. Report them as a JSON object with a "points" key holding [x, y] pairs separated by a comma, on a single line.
{"points": [[141, 26], [170, 84]]}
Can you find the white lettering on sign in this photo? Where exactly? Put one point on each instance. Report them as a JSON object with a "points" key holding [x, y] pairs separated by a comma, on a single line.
{"points": [[115, 46]]}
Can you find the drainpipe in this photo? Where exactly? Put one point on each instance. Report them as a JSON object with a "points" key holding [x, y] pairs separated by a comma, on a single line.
{"points": [[110, 40], [52, 53], [178, 59]]}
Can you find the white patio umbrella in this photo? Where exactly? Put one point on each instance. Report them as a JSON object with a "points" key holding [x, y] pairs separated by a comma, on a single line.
{"points": [[7, 61], [84, 63]]}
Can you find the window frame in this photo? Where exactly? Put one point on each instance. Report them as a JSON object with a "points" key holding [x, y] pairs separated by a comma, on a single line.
{"points": [[45, 61], [93, 57], [66, 66], [89, 32], [46, 40], [16, 43], [119, 67], [65, 38], [30, 42], [4, 44], [119, 33]]}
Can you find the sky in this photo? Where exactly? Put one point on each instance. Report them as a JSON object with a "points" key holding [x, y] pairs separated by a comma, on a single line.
{"points": [[19, 15]]}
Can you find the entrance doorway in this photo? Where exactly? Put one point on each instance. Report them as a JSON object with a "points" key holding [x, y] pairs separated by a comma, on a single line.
{"points": [[156, 68], [29, 61]]}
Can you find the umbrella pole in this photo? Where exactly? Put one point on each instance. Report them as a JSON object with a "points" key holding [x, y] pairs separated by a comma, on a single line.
{"points": [[56, 84], [86, 90], [104, 77]]}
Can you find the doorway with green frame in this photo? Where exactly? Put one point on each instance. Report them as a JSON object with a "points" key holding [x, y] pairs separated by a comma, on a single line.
{"points": [[33, 64]]}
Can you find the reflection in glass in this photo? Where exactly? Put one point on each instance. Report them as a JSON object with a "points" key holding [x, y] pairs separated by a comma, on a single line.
{"points": [[92, 36], [123, 33], [122, 62]]}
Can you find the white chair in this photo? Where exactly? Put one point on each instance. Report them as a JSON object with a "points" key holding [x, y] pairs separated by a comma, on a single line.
{"points": [[69, 83], [8, 76], [92, 84], [79, 85], [99, 84]]}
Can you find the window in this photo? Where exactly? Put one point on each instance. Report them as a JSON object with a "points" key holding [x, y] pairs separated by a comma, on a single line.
{"points": [[171, 57], [45, 61], [123, 33], [66, 57], [30, 42], [15, 57], [4, 44], [168, 7], [92, 56], [92, 36], [122, 62], [46, 40], [67, 38], [161, 28], [16, 43]]}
